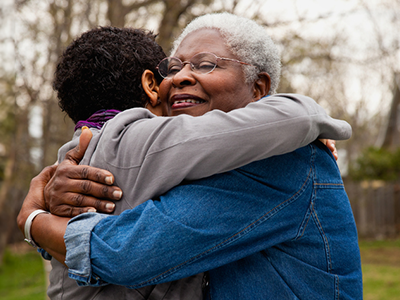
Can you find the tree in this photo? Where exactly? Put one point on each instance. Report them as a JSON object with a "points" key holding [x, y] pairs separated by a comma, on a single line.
{"points": [[342, 75], [35, 51], [347, 67], [37, 42], [170, 15], [376, 164]]}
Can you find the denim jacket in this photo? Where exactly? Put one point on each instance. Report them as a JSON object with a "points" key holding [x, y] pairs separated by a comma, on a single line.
{"points": [[279, 228]]}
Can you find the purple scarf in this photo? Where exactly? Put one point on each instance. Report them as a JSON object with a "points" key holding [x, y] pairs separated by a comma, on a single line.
{"points": [[98, 119]]}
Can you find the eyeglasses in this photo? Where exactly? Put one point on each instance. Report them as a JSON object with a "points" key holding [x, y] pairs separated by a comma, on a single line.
{"points": [[201, 63]]}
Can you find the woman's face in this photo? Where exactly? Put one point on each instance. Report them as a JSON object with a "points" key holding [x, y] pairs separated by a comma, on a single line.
{"points": [[195, 94]]}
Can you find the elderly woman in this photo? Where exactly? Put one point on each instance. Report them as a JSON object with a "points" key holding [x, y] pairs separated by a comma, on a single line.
{"points": [[272, 229]]}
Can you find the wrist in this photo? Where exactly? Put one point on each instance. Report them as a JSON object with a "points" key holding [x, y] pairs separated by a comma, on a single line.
{"points": [[28, 225], [22, 217]]}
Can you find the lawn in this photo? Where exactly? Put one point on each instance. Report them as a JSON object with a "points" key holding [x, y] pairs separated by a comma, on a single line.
{"points": [[381, 269], [22, 274]]}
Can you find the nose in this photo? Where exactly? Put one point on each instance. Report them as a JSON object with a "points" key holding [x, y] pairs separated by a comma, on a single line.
{"points": [[184, 77]]}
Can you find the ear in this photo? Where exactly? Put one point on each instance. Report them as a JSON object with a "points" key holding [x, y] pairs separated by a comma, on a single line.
{"points": [[261, 86], [151, 88]]}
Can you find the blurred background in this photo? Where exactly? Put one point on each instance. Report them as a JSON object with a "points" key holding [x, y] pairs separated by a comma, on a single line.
{"points": [[344, 54]]}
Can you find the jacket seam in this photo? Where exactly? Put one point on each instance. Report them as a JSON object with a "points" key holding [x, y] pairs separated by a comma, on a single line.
{"points": [[334, 184], [308, 214], [337, 287], [324, 238]]}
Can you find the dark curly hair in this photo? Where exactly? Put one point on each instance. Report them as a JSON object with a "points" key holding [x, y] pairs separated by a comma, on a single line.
{"points": [[102, 69]]}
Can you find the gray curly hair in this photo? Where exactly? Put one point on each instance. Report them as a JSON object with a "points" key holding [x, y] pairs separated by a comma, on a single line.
{"points": [[246, 39]]}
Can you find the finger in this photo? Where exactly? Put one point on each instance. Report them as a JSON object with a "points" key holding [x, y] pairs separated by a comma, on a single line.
{"points": [[80, 200], [331, 144], [84, 140], [85, 173], [75, 155], [98, 205], [72, 211], [82, 193], [95, 190], [46, 174], [335, 154]]}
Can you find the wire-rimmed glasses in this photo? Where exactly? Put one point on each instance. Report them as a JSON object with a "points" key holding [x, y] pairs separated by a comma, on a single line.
{"points": [[202, 63]]}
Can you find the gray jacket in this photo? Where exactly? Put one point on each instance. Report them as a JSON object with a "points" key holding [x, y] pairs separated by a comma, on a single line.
{"points": [[149, 155]]}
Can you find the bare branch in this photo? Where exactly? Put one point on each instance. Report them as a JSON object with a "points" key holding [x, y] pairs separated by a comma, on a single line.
{"points": [[306, 20]]}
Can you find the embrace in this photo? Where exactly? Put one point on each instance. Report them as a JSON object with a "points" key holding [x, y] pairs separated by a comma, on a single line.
{"points": [[220, 188]]}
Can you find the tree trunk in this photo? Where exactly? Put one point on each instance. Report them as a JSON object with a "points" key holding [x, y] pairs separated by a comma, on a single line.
{"points": [[116, 13], [18, 173]]}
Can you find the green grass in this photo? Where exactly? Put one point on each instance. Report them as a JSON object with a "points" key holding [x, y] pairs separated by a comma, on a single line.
{"points": [[22, 276], [381, 269]]}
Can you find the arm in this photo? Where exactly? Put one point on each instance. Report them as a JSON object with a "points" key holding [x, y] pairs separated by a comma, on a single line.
{"points": [[197, 147], [196, 227], [188, 147], [252, 133], [35, 200], [48, 230]]}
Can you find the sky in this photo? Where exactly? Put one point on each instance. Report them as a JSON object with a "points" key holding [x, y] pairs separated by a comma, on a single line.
{"points": [[362, 31]]}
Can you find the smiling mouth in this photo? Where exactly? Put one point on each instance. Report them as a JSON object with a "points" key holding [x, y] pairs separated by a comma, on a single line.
{"points": [[186, 103]]}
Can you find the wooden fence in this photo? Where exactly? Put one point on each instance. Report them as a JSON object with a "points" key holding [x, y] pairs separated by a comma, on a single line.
{"points": [[376, 208]]}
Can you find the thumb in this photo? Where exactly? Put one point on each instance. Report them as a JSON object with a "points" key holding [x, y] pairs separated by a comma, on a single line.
{"points": [[84, 141], [75, 155]]}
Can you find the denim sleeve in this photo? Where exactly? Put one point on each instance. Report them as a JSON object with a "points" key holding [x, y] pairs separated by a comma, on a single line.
{"points": [[147, 246], [77, 242], [194, 228], [44, 254]]}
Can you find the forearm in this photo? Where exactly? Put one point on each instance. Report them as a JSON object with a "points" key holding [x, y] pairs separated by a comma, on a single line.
{"points": [[272, 126], [166, 250], [186, 147], [48, 232], [174, 238]]}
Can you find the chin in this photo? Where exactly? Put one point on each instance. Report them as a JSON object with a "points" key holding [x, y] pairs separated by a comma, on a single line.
{"points": [[194, 111]]}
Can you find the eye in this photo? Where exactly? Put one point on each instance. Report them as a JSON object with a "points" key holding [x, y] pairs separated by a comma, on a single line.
{"points": [[173, 68], [204, 66]]}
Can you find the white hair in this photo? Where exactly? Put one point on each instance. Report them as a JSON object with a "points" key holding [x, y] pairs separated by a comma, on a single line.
{"points": [[247, 40]]}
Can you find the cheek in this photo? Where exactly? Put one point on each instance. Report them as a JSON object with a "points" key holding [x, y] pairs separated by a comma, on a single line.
{"points": [[231, 95], [165, 88]]}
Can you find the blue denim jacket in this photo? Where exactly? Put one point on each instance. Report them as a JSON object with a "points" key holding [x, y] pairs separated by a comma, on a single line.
{"points": [[279, 228]]}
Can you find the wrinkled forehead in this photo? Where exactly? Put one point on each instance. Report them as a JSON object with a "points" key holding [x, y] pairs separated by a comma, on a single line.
{"points": [[203, 40]]}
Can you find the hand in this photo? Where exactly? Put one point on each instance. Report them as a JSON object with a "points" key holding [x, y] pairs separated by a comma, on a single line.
{"points": [[331, 144], [75, 189], [35, 199]]}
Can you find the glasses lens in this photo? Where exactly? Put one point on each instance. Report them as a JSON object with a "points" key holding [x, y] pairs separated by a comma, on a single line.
{"points": [[204, 62], [169, 66]]}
